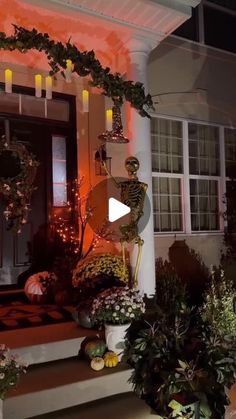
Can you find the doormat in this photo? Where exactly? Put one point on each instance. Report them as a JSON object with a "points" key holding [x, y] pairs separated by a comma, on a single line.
{"points": [[17, 315]]}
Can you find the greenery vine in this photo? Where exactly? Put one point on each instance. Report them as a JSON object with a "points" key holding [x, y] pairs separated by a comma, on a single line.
{"points": [[84, 64]]}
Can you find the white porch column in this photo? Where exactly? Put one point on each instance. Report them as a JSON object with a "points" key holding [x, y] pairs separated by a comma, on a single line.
{"points": [[140, 147]]}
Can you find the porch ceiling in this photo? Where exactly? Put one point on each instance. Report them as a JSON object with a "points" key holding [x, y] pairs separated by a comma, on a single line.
{"points": [[106, 26], [156, 18]]}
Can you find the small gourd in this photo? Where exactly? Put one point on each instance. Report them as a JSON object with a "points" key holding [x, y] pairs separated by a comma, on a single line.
{"points": [[95, 347], [97, 363], [111, 359]]}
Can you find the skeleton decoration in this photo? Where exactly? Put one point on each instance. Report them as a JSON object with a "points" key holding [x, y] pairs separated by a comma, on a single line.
{"points": [[133, 195]]}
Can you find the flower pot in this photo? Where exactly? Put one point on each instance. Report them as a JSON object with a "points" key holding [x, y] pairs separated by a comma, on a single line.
{"points": [[82, 317], [115, 337]]}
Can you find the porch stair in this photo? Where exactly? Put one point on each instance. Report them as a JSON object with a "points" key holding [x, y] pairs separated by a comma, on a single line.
{"points": [[56, 378]]}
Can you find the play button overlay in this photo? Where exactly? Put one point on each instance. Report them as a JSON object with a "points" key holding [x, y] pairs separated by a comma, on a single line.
{"points": [[116, 210], [109, 212]]}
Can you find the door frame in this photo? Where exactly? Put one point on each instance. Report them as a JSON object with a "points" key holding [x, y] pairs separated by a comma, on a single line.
{"points": [[67, 128]]}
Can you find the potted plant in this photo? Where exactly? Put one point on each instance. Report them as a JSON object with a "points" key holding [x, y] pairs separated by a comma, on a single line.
{"points": [[10, 371], [183, 362], [116, 308], [93, 275], [98, 265]]}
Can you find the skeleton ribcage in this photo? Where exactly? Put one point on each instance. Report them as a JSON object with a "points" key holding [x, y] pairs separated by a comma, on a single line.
{"points": [[132, 195]]}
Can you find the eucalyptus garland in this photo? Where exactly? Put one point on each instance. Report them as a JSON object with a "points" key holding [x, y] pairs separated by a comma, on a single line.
{"points": [[16, 190], [84, 64]]}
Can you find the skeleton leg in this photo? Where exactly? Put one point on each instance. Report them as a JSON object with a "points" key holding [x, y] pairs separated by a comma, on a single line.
{"points": [[122, 243], [139, 242]]}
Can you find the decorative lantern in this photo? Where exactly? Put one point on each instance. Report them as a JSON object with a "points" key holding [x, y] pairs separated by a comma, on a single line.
{"points": [[102, 162], [116, 135]]}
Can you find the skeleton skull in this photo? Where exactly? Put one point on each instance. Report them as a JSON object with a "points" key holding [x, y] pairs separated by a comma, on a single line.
{"points": [[132, 165]]}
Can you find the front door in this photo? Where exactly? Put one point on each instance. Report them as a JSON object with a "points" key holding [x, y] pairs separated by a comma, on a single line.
{"points": [[32, 247]]}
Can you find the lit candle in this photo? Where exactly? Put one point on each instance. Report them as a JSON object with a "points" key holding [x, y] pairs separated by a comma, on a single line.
{"points": [[109, 119], [8, 81], [48, 87], [85, 99], [38, 85], [68, 71]]}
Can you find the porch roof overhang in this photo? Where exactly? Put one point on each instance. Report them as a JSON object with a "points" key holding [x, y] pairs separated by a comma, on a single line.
{"points": [[152, 19]]}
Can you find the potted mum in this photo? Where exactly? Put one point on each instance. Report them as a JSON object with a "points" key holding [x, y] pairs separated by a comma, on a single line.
{"points": [[116, 308], [10, 372]]}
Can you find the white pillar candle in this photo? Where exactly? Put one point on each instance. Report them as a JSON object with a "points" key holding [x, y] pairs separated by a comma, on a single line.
{"points": [[109, 119], [38, 85], [8, 81], [68, 70], [49, 87], [85, 100]]}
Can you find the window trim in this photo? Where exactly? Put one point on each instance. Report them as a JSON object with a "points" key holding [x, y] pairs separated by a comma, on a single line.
{"points": [[186, 176]]}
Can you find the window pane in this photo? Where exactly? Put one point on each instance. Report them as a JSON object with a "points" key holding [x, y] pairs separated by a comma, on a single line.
{"points": [[156, 222], [176, 204], [223, 38], [165, 222], [59, 171], [59, 195], [195, 222], [203, 150], [175, 186], [164, 185], [156, 202], [167, 204], [193, 166], [229, 4], [204, 204], [176, 222], [167, 146], [230, 151], [204, 222], [189, 29], [193, 149], [231, 205]]}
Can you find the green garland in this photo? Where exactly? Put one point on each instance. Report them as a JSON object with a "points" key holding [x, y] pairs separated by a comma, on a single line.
{"points": [[85, 64]]}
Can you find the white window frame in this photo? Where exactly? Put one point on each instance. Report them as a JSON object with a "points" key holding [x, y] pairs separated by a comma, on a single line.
{"points": [[186, 176]]}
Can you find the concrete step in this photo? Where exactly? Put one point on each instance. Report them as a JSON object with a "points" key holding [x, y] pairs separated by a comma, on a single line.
{"points": [[61, 384], [46, 343]]}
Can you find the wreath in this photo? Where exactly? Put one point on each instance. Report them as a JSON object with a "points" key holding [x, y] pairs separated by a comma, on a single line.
{"points": [[17, 173]]}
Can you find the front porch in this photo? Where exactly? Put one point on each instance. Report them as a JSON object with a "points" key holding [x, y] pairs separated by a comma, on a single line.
{"points": [[122, 35]]}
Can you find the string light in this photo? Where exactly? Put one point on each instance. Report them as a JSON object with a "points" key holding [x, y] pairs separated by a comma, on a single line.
{"points": [[72, 231]]}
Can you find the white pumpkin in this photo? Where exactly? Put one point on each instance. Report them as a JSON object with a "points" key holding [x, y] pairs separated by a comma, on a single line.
{"points": [[97, 363], [34, 289]]}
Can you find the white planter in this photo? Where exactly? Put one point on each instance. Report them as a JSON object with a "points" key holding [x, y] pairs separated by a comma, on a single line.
{"points": [[115, 337]]}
